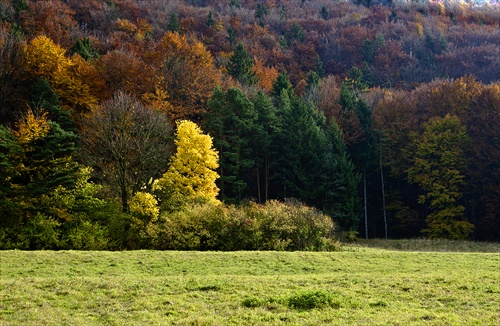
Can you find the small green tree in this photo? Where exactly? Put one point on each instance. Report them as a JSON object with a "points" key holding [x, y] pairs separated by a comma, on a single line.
{"points": [[324, 13], [173, 23], [85, 48], [438, 160], [210, 19], [240, 66], [282, 82], [192, 172], [261, 11]]}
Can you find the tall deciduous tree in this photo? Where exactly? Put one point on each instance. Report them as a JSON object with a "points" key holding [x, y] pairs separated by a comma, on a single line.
{"points": [[363, 151], [51, 18], [127, 144], [484, 170], [11, 68], [438, 161], [192, 172], [44, 59], [123, 70], [187, 76]]}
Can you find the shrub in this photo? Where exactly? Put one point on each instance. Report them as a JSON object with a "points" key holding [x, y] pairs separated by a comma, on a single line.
{"points": [[86, 235], [241, 232], [42, 232], [292, 226], [193, 229], [144, 205], [274, 226], [121, 233]]}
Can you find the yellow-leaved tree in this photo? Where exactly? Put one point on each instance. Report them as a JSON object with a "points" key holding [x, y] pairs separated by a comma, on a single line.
{"points": [[43, 58], [32, 127], [191, 175]]}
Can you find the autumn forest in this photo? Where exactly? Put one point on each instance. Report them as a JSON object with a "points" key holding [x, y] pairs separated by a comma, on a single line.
{"points": [[238, 125]]}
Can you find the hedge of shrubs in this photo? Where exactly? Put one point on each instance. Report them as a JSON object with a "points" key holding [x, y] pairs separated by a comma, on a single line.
{"points": [[276, 225]]}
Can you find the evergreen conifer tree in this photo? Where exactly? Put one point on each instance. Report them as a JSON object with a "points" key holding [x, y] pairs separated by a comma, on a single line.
{"points": [[173, 23], [230, 120], [240, 66]]}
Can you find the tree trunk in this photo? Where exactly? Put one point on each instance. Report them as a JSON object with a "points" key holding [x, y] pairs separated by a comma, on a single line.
{"points": [[383, 192], [258, 183], [366, 208], [124, 196], [266, 198]]}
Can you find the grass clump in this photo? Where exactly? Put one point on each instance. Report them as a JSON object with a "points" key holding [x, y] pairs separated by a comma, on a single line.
{"points": [[315, 299], [253, 302]]}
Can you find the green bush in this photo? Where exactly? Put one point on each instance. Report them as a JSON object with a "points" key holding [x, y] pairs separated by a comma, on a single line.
{"points": [[86, 235], [241, 232], [274, 226], [292, 226], [122, 229], [203, 227], [197, 226], [13, 238]]}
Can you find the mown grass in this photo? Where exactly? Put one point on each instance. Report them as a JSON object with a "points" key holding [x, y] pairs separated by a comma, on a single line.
{"points": [[357, 286], [431, 245]]}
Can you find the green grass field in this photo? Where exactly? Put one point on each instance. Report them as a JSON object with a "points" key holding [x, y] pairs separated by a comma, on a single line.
{"points": [[356, 286]]}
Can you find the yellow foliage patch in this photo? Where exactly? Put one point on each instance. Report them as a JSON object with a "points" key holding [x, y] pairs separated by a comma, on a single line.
{"points": [[192, 169], [31, 127]]}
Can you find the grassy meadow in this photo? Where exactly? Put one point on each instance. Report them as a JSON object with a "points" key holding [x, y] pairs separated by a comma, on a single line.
{"points": [[358, 285]]}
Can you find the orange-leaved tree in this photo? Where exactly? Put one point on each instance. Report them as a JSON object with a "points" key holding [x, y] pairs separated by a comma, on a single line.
{"points": [[187, 76], [43, 58]]}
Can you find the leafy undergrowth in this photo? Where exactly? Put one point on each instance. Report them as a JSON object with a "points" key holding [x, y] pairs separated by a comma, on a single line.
{"points": [[359, 286]]}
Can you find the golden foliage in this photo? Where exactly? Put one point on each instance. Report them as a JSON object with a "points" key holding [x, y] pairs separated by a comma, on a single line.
{"points": [[144, 204], [31, 127], [192, 170], [44, 58]]}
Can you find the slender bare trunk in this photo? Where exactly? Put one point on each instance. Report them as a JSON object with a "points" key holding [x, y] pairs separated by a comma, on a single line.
{"points": [[267, 179], [258, 184], [383, 192], [366, 208]]}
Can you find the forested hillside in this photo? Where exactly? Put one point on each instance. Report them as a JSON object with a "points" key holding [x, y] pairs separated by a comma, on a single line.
{"points": [[234, 124]]}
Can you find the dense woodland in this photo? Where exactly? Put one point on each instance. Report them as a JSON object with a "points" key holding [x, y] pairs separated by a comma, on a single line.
{"points": [[234, 124]]}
